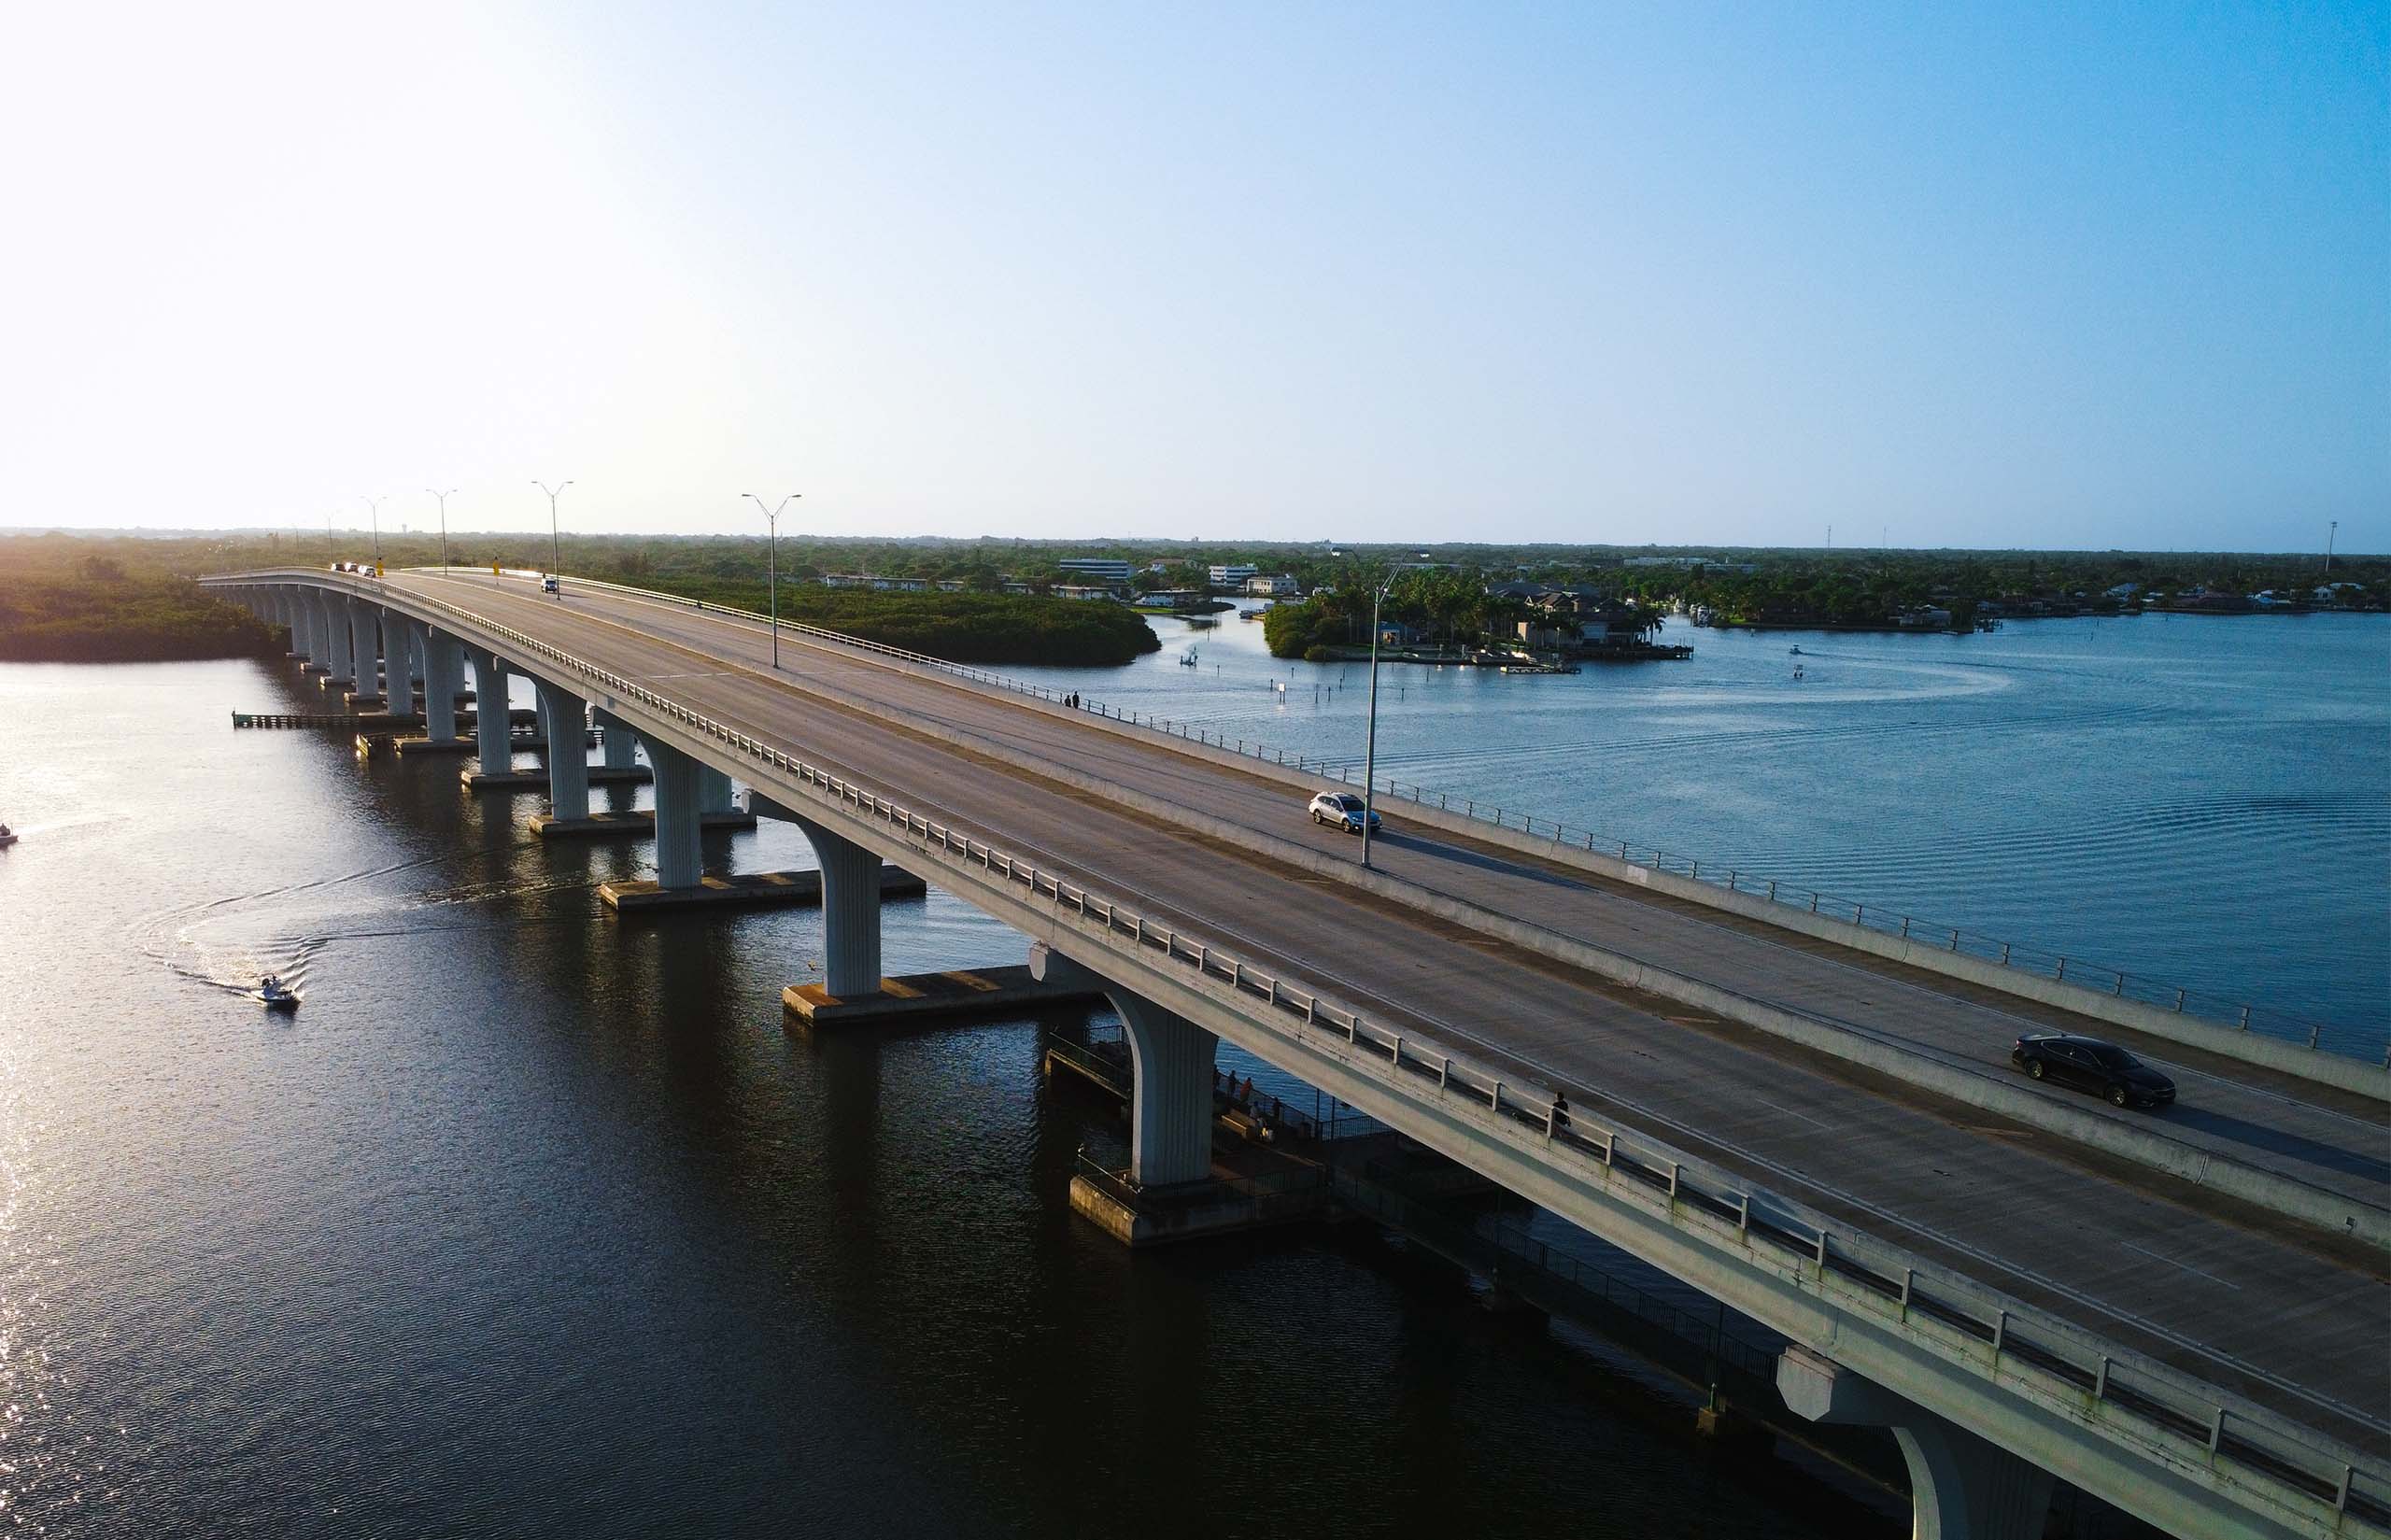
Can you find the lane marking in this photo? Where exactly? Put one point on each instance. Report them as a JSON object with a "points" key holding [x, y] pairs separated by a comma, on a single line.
{"points": [[2185, 1267], [1814, 1123]]}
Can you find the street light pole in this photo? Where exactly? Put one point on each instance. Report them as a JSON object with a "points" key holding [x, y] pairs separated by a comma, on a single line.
{"points": [[773, 567], [1371, 740], [2330, 530], [376, 504], [443, 498], [555, 562]]}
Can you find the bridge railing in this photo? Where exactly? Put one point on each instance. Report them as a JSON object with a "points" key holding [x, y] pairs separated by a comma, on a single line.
{"points": [[2039, 961], [2053, 1361]]}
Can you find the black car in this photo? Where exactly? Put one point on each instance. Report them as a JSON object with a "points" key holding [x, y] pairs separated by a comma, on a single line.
{"points": [[2090, 1065]]}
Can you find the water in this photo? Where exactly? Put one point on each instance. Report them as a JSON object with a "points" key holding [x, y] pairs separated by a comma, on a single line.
{"points": [[539, 1223], [535, 1223], [2203, 799]]}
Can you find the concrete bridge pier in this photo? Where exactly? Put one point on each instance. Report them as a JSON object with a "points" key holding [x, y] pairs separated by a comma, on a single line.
{"points": [[340, 653], [851, 885], [567, 719], [443, 677], [400, 635], [365, 648], [493, 722], [1962, 1486], [1170, 1090], [304, 644], [713, 792], [620, 745], [679, 779]]}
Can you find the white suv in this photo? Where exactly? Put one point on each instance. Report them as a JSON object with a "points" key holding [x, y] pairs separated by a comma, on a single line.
{"points": [[1344, 810]]}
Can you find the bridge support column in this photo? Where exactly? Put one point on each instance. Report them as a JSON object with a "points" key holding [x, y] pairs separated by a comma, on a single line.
{"points": [[1170, 1089], [850, 912], [443, 676], [568, 719], [679, 863], [493, 724], [303, 628], [1962, 1486], [364, 645], [713, 792], [620, 744], [401, 638], [340, 653]]}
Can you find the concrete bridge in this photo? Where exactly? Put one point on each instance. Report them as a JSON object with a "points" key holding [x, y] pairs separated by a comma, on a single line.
{"points": [[2186, 1313]]}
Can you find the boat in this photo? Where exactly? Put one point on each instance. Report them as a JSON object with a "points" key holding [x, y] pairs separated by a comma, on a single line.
{"points": [[1187, 658], [275, 995], [7, 837], [1795, 651]]}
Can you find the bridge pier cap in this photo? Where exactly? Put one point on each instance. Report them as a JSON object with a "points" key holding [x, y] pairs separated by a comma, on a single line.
{"points": [[1962, 1486], [1170, 1079]]}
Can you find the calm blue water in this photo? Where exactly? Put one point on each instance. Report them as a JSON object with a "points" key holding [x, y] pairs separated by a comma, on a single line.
{"points": [[2203, 799]]}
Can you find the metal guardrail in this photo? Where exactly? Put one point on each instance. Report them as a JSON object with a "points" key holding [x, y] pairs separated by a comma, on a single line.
{"points": [[2040, 961], [1971, 1326]]}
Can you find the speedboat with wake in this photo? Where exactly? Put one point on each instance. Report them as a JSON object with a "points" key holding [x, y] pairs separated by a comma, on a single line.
{"points": [[7, 837], [275, 995]]}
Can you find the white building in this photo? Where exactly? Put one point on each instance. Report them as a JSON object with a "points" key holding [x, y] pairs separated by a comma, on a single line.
{"points": [[1231, 576], [1102, 569]]}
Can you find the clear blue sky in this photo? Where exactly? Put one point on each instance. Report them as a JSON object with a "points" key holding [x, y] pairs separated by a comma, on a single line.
{"points": [[1971, 275]]}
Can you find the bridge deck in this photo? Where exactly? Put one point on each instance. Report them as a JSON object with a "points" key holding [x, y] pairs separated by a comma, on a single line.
{"points": [[2265, 1306]]}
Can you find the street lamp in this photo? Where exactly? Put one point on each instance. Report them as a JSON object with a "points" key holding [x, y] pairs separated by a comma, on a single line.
{"points": [[1370, 741], [2330, 530], [772, 581], [555, 564], [443, 498], [376, 504]]}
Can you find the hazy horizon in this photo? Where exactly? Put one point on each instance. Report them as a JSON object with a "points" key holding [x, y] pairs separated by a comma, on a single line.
{"points": [[1095, 541], [1990, 277]]}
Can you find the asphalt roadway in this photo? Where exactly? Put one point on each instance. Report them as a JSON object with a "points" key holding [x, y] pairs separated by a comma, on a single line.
{"points": [[2286, 1316]]}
